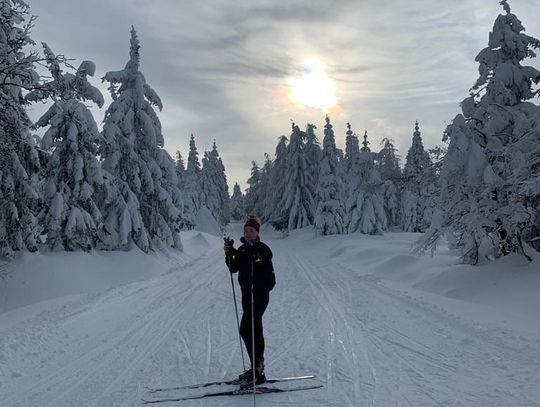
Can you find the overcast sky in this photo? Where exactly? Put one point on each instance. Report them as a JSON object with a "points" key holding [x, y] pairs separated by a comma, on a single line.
{"points": [[223, 67]]}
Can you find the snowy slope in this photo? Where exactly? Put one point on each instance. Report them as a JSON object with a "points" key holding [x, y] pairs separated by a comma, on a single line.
{"points": [[380, 327]]}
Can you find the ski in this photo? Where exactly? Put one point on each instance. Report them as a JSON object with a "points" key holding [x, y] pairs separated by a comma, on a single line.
{"points": [[225, 382], [237, 392]]}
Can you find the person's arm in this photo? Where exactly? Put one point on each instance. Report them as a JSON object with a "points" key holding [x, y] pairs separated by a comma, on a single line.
{"points": [[269, 268], [269, 264], [265, 256]]}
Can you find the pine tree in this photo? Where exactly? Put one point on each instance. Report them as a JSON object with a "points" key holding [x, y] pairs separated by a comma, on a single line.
{"points": [[350, 159], [330, 215], [417, 161], [192, 186], [505, 124], [222, 186], [352, 149], [266, 189], [365, 144], [180, 170], [238, 213], [214, 189], [134, 154], [313, 153], [489, 177], [193, 166], [275, 212], [254, 191], [392, 202], [418, 181], [365, 207], [208, 198], [20, 199], [75, 192], [298, 199], [387, 164], [461, 198]]}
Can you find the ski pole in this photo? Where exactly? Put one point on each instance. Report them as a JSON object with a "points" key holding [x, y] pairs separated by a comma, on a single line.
{"points": [[253, 334], [235, 309]]}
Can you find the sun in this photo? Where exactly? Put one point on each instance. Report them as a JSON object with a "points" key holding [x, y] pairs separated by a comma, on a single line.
{"points": [[314, 88]]}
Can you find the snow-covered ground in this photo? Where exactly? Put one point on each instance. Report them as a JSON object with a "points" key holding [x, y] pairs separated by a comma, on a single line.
{"points": [[379, 326]]}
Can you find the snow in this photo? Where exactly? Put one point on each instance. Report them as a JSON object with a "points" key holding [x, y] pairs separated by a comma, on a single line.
{"points": [[205, 222], [377, 324], [34, 278]]}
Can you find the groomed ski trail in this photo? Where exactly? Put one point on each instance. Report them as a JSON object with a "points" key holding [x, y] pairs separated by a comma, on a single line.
{"points": [[369, 343], [384, 347]]}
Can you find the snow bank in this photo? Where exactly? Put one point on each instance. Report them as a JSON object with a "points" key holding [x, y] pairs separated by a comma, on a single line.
{"points": [[43, 279], [508, 286]]}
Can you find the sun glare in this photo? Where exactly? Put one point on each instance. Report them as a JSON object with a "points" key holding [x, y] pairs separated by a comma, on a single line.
{"points": [[314, 88]]}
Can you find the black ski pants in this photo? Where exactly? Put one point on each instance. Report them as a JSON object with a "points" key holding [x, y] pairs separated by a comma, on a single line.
{"points": [[260, 302]]}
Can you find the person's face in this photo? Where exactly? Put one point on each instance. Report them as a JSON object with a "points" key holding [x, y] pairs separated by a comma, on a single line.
{"points": [[250, 233]]}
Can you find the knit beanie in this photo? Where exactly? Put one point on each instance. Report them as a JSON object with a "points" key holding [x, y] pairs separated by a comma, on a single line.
{"points": [[253, 223]]}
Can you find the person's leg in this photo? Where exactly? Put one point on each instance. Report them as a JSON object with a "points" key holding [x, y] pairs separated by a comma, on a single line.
{"points": [[260, 303], [245, 323], [245, 333]]}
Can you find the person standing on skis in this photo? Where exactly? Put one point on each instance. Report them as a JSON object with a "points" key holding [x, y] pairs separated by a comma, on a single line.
{"points": [[252, 258]]}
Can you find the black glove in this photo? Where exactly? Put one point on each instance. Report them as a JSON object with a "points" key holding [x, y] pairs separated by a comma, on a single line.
{"points": [[229, 244]]}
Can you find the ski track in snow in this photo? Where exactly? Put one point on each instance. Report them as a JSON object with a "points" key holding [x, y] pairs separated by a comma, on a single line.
{"points": [[418, 354], [369, 344]]}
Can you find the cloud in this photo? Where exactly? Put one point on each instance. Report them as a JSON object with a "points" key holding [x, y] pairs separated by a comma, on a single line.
{"points": [[221, 66]]}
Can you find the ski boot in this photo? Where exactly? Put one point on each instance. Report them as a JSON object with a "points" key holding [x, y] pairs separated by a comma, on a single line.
{"points": [[245, 380]]}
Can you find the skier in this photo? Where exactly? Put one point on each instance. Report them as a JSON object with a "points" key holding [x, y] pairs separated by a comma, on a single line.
{"points": [[252, 258]]}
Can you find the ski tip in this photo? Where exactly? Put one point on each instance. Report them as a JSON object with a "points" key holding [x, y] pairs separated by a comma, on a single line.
{"points": [[145, 401], [265, 390]]}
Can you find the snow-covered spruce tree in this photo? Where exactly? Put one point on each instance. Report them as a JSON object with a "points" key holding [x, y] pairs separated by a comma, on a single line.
{"points": [[330, 214], [20, 200], [365, 206], [133, 152], [313, 153], [275, 213], [238, 212], [418, 186], [460, 213], [507, 126], [387, 164], [193, 165], [188, 217], [74, 193], [392, 203], [214, 189], [254, 193], [192, 185], [350, 159], [489, 178], [222, 186], [298, 198], [207, 194], [180, 169], [365, 144], [352, 148], [265, 188]]}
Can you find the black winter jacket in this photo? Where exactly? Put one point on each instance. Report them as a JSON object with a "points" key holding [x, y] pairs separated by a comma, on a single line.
{"points": [[258, 254]]}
